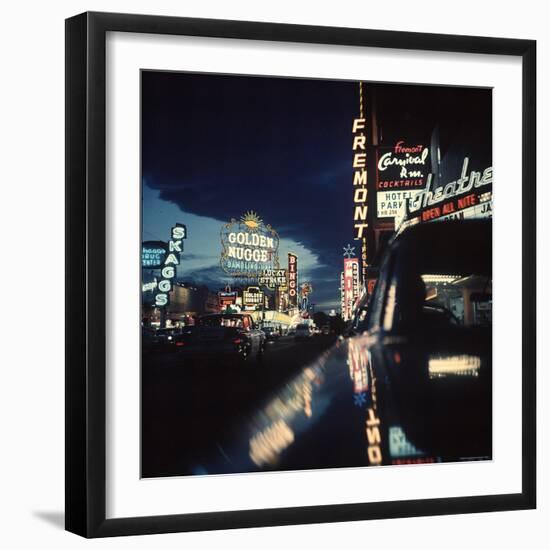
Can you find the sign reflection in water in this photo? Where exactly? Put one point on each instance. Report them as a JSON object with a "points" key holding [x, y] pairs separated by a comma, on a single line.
{"points": [[286, 415], [454, 365], [357, 362]]}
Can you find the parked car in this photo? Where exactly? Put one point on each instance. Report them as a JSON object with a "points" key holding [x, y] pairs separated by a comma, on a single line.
{"points": [[303, 331], [164, 338], [224, 337], [271, 333], [429, 328]]}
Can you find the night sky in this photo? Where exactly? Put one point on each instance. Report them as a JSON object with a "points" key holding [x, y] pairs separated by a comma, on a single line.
{"points": [[215, 146]]}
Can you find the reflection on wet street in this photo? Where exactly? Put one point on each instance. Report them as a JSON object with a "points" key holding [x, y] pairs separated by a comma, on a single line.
{"points": [[355, 403]]}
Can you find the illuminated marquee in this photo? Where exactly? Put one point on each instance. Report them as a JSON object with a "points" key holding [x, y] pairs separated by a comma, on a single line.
{"points": [[249, 247], [468, 197], [474, 182]]}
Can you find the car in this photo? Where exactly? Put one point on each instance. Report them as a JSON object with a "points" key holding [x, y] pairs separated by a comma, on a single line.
{"points": [[433, 275], [164, 338], [226, 337], [429, 325], [303, 331], [271, 333]]}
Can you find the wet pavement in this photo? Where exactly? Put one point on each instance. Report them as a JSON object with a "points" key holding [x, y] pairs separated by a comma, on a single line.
{"points": [[320, 403]]}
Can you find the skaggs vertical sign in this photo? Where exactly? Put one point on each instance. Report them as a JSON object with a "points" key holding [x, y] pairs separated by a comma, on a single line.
{"points": [[292, 280], [168, 269]]}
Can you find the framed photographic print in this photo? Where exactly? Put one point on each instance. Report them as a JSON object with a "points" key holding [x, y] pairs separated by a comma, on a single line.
{"points": [[292, 287]]}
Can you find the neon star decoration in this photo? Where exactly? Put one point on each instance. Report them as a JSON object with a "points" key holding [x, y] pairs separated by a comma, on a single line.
{"points": [[349, 251], [360, 399]]}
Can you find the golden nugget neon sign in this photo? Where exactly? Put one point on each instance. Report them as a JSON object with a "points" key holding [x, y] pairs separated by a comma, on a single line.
{"points": [[249, 246]]}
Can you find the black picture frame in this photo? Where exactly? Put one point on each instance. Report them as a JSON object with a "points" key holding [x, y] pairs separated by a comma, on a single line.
{"points": [[86, 282]]}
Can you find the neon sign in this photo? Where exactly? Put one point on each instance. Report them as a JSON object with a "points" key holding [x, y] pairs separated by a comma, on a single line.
{"points": [[305, 290], [465, 184], [273, 278], [153, 254], [359, 165], [253, 296], [227, 298], [402, 167], [351, 286], [360, 195], [168, 268], [248, 247], [292, 280]]}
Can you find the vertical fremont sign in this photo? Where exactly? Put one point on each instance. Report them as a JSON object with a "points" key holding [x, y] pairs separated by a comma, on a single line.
{"points": [[359, 165], [360, 194]]}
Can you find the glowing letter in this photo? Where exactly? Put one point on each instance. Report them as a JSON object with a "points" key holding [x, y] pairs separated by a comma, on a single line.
{"points": [[359, 142], [358, 124], [360, 160], [360, 178]]}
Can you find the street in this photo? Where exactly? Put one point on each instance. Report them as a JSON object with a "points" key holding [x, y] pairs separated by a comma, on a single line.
{"points": [[189, 409]]}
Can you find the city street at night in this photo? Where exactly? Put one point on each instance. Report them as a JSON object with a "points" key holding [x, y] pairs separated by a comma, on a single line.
{"points": [[318, 295]]}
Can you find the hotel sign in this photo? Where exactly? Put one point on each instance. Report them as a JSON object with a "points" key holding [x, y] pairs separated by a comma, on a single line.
{"points": [[391, 204]]}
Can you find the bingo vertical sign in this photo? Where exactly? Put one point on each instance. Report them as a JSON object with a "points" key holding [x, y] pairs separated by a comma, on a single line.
{"points": [[292, 280]]}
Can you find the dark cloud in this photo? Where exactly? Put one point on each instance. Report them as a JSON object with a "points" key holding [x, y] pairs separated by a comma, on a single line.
{"points": [[220, 145]]}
